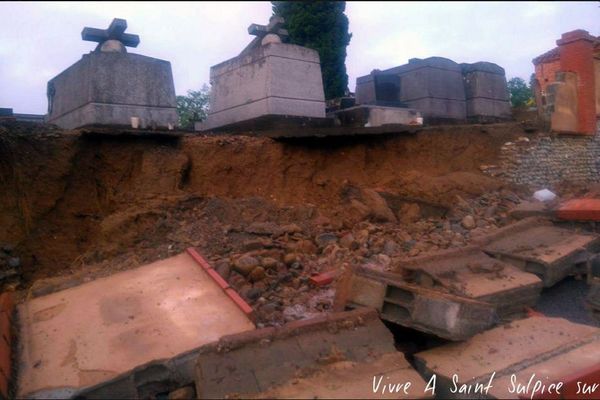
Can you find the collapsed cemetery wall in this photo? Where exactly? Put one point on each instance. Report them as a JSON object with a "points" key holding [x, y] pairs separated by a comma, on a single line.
{"points": [[63, 194], [549, 161]]}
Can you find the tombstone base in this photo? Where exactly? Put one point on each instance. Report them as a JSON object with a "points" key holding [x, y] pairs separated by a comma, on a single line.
{"points": [[276, 79], [374, 116], [113, 114], [109, 88], [267, 123]]}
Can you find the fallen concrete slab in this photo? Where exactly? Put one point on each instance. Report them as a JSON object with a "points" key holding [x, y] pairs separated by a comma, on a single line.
{"points": [[294, 360], [80, 337], [432, 311], [388, 377], [535, 245], [469, 272], [508, 357], [579, 210]]}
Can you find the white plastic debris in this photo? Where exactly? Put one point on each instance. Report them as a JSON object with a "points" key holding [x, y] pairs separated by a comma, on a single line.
{"points": [[544, 195]]}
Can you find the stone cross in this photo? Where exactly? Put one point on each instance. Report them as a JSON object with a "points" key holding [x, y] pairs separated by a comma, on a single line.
{"points": [[273, 30], [116, 32]]}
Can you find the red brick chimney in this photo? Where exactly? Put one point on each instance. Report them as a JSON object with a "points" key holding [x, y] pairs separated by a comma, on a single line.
{"points": [[577, 55]]}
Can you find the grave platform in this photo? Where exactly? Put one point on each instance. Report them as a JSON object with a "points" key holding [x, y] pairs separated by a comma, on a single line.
{"points": [[579, 210], [471, 273], [553, 349], [427, 310], [331, 356], [375, 116], [82, 337], [535, 245]]}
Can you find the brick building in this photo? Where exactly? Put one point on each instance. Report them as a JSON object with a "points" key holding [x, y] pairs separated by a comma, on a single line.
{"points": [[568, 83]]}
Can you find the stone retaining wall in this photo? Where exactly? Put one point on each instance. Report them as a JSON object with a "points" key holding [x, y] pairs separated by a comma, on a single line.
{"points": [[545, 161]]}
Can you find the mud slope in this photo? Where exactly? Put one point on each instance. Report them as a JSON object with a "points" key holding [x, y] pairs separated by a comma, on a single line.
{"points": [[67, 199]]}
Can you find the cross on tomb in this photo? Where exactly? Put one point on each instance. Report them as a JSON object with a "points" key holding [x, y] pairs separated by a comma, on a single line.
{"points": [[275, 27], [116, 31], [260, 31]]}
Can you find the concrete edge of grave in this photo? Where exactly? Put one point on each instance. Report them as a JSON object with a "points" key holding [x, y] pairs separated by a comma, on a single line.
{"points": [[179, 371], [222, 283], [520, 226], [7, 306]]}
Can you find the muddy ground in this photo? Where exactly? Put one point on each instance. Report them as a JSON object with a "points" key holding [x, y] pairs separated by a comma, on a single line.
{"points": [[268, 214]]}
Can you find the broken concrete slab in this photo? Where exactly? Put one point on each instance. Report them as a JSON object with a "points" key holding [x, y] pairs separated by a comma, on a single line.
{"points": [[535, 245], [268, 361], [553, 349], [469, 272], [432, 311], [346, 379], [375, 116], [80, 337]]}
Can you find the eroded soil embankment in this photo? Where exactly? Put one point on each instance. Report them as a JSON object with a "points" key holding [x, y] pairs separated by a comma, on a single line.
{"points": [[68, 200]]}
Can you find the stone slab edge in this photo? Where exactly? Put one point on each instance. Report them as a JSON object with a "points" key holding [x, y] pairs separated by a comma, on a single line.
{"points": [[6, 317], [214, 275], [180, 369]]}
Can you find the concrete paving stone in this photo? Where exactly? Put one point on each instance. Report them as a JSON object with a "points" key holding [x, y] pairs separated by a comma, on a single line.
{"points": [[550, 252], [471, 273], [553, 348], [346, 379], [85, 335]]}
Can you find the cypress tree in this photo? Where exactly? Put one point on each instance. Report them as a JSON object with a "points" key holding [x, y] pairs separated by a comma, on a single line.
{"points": [[322, 26]]}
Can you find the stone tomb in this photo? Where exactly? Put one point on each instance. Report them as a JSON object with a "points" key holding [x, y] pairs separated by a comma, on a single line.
{"points": [[268, 79], [379, 104], [486, 92], [109, 86], [442, 90]]}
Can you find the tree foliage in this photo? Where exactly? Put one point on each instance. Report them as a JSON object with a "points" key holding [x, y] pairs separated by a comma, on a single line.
{"points": [[193, 106], [520, 94], [322, 26]]}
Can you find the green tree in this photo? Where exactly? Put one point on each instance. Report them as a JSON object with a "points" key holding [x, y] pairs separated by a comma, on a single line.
{"points": [[520, 93], [193, 106], [322, 26]]}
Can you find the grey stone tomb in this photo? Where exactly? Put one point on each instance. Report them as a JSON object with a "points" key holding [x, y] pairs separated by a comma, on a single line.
{"points": [[442, 90], [110, 86], [378, 97], [486, 92], [268, 81]]}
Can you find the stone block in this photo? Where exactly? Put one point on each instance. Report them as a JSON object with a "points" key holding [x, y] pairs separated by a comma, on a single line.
{"points": [[549, 349], [378, 89], [375, 116], [110, 88], [274, 79]]}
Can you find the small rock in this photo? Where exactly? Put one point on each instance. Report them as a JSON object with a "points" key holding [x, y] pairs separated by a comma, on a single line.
{"points": [[325, 239], [291, 228], [14, 262], [348, 241], [257, 274], [409, 213], [468, 222], [290, 258], [490, 211], [253, 293], [390, 247], [378, 207], [414, 252], [269, 262], [245, 264], [184, 393], [223, 268]]}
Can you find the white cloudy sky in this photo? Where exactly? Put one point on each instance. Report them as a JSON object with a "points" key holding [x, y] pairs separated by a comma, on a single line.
{"points": [[39, 40]]}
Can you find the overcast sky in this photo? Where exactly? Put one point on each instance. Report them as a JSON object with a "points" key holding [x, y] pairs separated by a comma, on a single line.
{"points": [[39, 40]]}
